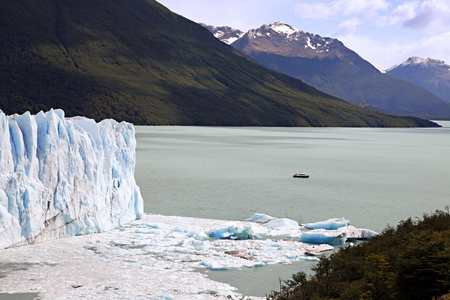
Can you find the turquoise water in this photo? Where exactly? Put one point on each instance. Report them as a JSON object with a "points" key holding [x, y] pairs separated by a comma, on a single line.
{"points": [[371, 176]]}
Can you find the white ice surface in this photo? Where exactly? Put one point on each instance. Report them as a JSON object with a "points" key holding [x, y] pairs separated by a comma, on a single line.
{"points": [[334, 231], [283, 28], [352, 232], [274, 226], [233, 232], [150, 257], [260, 218], [330, 224], [64, 176]]}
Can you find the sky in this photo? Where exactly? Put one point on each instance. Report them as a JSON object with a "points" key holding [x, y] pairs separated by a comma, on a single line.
{"points": [[383, 32]]}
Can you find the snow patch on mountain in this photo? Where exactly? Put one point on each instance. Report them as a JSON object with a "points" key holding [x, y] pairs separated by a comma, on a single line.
{"points": [[424, 62], [276, 29], [64, 176], [308, 44], [226, 34], [287, 37], [283, 28]]}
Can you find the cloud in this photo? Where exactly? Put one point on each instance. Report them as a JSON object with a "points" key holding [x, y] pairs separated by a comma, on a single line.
{"points": [[348, 26], [401, 13], [426, 15], [337, 8]]}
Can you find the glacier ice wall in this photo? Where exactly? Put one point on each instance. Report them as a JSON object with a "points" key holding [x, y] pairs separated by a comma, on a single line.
{"points": [[64, 176]]}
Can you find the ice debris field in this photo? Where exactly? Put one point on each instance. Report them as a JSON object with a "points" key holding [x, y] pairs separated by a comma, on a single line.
{"points": [[74, 178], [155, 258]]}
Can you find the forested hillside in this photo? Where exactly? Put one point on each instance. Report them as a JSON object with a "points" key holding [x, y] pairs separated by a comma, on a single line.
{"points": [[139, 62], [411, 261]]}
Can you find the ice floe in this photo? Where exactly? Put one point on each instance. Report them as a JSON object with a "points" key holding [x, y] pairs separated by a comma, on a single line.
{"points": [[233, 232], [323, 236], [152, 257], [352, 233], [330, 224], [274, 226], [156, 256]]}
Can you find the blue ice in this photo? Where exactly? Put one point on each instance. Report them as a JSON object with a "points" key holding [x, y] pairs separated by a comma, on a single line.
{"points": [[330, 224], [322, 236]]}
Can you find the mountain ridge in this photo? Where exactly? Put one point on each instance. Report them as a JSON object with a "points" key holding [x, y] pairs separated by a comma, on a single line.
{"points": [[298, 43], [226, 34], [428, 73], [139, 62], [329, 66]]}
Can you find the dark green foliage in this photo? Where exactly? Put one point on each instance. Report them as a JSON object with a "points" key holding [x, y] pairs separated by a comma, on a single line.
{"points": [[137, 61], [411, 261]]}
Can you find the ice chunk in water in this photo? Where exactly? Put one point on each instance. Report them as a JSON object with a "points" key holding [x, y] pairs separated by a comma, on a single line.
{"points": [[260, 218], [233, 232], [322, 236], [223, 233], [282, 224], [276, 226], [367, 234], [330, 224], [354, 233]]}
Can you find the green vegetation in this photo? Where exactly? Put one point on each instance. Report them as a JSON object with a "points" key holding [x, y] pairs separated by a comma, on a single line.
{"points": [[137, 61], [410, 262]]}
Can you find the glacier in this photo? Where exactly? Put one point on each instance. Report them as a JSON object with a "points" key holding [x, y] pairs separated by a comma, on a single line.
{"points": [[64, 176]]}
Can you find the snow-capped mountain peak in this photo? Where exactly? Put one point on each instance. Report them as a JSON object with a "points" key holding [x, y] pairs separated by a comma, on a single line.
{"points": [[424, 62], [279, 38], [276, 29], [284, 39], [428, 73], [226, 34], [283, 28]]}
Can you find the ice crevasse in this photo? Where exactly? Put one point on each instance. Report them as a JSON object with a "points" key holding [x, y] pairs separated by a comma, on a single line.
{"points": [[64, 176]]}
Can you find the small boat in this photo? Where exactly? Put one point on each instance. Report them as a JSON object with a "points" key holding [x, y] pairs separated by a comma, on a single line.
{"points": [[301, 175]]}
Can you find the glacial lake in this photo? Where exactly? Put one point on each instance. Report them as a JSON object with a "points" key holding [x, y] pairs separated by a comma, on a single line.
{"points": [[373, 177]]}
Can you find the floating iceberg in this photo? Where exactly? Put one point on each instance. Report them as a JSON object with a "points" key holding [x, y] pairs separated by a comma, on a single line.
{"points": [[222, 233], [367, 234], [285, 224], [330, 224], [64, 176], [316, 250], [352, 233], [233, 232], [276, 226], [260, 218], [323, 232], [270, 226], [323, 236]]}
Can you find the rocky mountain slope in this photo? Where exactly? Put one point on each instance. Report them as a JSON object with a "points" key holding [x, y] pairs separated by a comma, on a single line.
{"points": [[226, 34], [328, 65], [431, 74]]}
